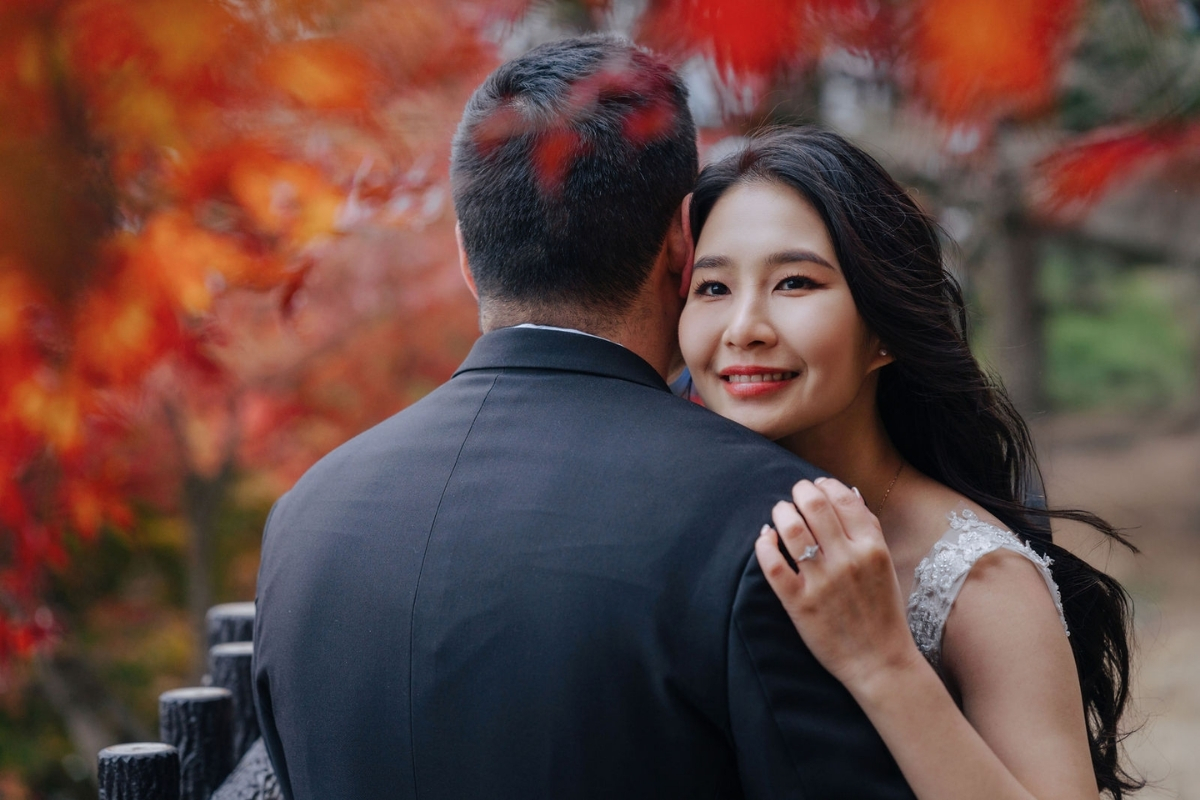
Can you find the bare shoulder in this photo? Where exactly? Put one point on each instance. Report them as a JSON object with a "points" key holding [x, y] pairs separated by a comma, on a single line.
{"points": [[923, 516], [939, 502], [930, 506], [1005, 629], [1007, 659], [1005, 611]]}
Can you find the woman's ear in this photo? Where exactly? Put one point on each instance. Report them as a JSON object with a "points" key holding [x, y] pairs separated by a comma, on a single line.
{"points": [[689, 247], [882, 355], [463, 266]]}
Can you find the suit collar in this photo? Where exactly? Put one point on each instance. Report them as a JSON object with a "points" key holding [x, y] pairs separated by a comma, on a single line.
{"points": [[540, 348]]}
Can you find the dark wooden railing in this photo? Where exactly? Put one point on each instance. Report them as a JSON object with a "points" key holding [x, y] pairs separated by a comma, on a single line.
{"points": [[210, 748]]}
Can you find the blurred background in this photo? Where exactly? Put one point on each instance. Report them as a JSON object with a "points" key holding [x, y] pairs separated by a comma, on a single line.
{"points": [[226, 246]]}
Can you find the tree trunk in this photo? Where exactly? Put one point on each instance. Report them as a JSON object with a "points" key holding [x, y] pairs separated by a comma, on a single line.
{"points": [[1020, 324], [202, 501], [93, 718], [1016, 319]]}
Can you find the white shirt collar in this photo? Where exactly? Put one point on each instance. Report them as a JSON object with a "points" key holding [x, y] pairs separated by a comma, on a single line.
{"points": [[564, 330]]}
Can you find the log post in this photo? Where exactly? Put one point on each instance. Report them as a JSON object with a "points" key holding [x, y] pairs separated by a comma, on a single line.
{"points": [[143, 771], [253, 779], [230, 622], [199, 723], [229, 668]]}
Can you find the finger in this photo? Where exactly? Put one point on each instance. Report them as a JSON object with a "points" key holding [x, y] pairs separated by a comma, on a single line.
{"points": [[791, 528], [818, 513], [856, 519], [784, 581]]}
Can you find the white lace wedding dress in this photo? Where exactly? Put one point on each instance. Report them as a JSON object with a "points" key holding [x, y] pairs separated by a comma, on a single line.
{"points": [[941, 575]]}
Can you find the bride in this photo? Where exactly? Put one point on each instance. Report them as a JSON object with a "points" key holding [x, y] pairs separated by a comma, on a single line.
{"points": [[820, 315]]}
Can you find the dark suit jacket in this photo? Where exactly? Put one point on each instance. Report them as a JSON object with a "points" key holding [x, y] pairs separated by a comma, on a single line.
{"points": [[538, 582]]}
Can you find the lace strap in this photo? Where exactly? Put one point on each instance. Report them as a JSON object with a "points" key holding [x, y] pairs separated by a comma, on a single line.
{"points": [[940, 576]]}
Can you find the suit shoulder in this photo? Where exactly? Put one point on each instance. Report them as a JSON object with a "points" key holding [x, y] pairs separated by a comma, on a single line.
{"points": [[698, 427], [439, 418]]}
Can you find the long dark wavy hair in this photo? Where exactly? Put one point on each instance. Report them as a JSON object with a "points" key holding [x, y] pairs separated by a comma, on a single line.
{"points": [[943, 412]]}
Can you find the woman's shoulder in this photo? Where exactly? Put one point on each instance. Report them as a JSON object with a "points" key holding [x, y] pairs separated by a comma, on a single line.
{"points": [[1002, 603], [972, 541], [925, 519], [940, 508], [941, 520], [1007, 616], [973, 569]]}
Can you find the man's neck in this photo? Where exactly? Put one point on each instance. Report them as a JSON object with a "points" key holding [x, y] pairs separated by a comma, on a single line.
{"points": [[563, 330], [648, 335]]}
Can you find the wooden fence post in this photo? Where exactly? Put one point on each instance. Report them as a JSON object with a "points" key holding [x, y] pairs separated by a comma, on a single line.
{"points": [[199, 722], [205, 730], [230, 622], [229, 666], [144, 771]]}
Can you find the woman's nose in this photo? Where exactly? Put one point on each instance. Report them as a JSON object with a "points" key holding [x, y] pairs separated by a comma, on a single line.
{"points": [[750, 327]]}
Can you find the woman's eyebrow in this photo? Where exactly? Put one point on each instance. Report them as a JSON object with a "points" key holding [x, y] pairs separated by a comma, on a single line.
{"points": [[792, 256], [775, 259], [712, 261]]}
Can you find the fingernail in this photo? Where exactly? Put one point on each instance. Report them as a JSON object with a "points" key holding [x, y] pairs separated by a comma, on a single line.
{"points": [[765, 530], [856, 492], [819, 481]]}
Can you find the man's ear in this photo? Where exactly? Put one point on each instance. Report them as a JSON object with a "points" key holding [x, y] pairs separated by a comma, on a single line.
{"points": [[689, 247], [462, 262]]}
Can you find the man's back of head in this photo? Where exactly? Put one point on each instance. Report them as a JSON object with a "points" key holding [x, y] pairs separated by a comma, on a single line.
{"points": [[568, 167]]}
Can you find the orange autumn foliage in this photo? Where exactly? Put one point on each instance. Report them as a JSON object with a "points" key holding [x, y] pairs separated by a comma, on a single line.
{"points": [[964, 59], [1074, 177], [985, 58], [742, 38], [320, 73], [747, 40], [157, 158]]}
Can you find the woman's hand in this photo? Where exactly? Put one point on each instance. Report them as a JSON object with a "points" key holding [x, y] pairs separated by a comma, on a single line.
{"points": [[846, 603], [845, 600]]}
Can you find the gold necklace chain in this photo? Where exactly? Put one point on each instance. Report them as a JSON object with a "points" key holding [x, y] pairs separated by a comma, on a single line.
{"points": [[888, 493]]}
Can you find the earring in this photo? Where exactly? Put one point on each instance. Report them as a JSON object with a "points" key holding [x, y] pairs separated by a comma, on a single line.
{"points": [[883, 351]]}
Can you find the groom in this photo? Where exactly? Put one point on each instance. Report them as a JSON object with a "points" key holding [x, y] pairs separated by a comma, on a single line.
{"points": [[538, 581]]}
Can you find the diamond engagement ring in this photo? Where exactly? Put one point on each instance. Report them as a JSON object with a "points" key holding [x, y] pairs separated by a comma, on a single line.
{"points": [[810, 552]]}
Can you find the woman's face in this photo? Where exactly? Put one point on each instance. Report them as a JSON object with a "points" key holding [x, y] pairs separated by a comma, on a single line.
{"points": [[770, 331]]}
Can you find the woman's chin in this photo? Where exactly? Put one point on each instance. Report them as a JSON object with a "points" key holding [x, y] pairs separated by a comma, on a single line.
{"points": [[765, 425], [766, 428]]}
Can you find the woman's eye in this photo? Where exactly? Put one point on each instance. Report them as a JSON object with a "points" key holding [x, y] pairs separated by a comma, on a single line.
{"points": [[712, 289], [796, 283]]}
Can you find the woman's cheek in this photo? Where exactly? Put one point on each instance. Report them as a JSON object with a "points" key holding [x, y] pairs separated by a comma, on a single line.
{"points": [[694, 338]]}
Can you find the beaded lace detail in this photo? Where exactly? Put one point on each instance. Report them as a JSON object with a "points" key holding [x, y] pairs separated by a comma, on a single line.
{"points": [[941, 575]]}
